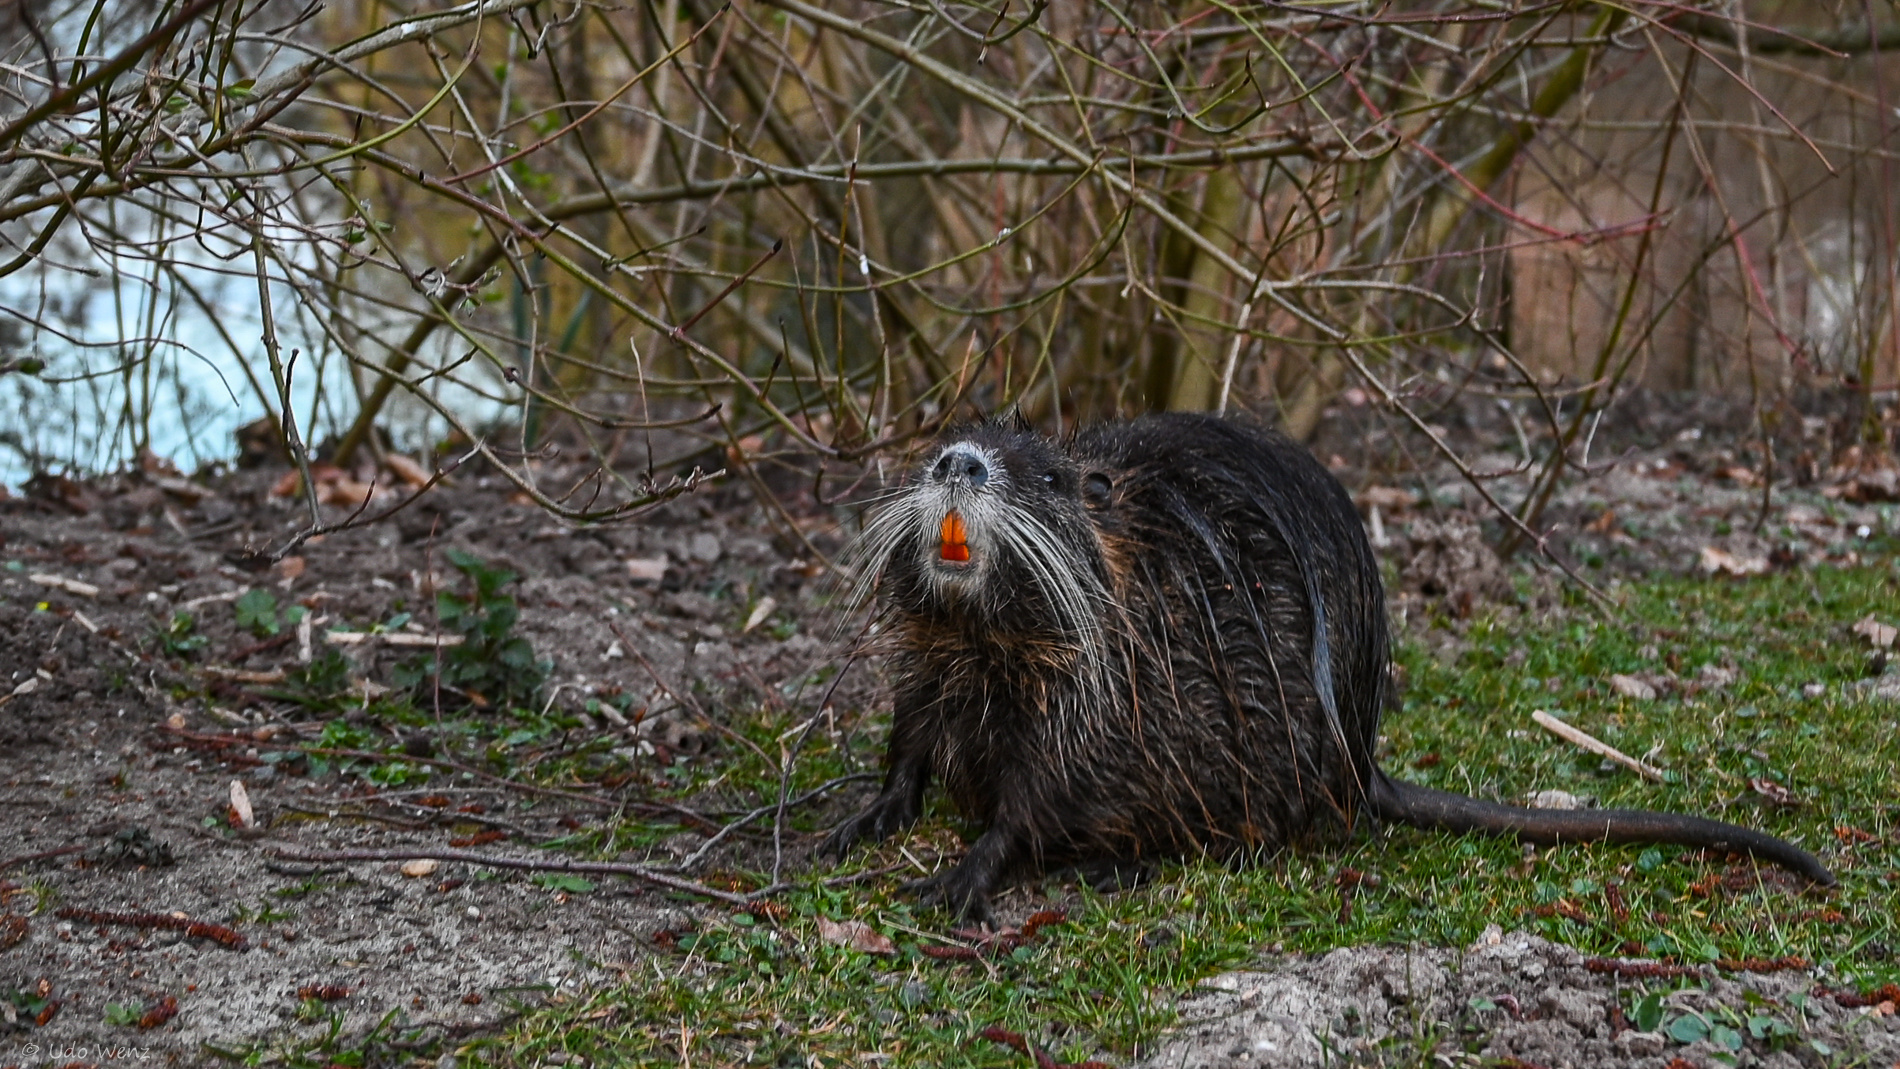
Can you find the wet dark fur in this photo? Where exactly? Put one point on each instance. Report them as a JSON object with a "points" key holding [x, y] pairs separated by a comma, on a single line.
{"points": [[1227, 698]]}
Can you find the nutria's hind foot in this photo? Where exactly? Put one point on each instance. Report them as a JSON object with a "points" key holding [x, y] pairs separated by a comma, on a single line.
{"points": [[961, 891], [880, 820], [965, 889]]}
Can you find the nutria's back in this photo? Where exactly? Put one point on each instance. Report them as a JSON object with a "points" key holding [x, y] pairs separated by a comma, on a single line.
{"points": [[1162, 637]]}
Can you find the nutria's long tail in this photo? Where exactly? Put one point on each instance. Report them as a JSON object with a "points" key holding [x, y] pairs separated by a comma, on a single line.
{"points": [[1423, 807]]}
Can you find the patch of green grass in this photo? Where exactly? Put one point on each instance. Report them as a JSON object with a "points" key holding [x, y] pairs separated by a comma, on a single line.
{"points": [[764, 988]]}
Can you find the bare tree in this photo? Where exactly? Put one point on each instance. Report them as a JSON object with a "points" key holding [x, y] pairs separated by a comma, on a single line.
{"points": [[820, 230]]}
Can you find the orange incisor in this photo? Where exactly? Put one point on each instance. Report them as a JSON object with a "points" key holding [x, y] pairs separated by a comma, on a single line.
{"points": [[955, 544]]}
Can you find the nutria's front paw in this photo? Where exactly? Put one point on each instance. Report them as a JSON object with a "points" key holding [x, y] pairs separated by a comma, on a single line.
{"points": [[963, 891], [879, 821]]}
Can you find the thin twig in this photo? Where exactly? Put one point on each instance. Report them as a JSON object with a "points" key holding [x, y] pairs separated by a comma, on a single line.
{"points": [[696, 856], [1583, 739], [43, 855], [524, 864]]}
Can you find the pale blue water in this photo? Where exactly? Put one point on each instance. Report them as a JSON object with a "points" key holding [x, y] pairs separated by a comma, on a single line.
{"points": [[130, 364]]}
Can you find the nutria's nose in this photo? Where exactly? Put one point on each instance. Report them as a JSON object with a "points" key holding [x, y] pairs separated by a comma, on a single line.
{"points": [[962, 464]]}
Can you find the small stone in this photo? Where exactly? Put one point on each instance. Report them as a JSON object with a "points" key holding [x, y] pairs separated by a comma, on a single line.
{"points": [[647, 569], [1555, 799], [1632, 687], [1715, 677], [1876, 634], [421, 866], [1640, 1044], [704, 547]]}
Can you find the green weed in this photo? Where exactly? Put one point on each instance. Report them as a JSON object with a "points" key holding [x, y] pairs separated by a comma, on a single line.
{"points": [[258, 613], [180, 638], [493, 666]]}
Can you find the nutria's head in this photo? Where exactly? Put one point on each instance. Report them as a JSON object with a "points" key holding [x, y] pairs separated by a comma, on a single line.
{"points": [[993, 531]]}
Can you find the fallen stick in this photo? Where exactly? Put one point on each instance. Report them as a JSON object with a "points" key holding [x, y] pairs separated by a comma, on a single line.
{"points": [[176, 922], [390, 638], [685, 815], [469, 857], [41, 856], [1595, 745]]}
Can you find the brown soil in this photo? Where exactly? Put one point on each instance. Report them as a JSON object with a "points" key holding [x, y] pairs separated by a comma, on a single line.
{"points": [[108, 737], [117, 734]]}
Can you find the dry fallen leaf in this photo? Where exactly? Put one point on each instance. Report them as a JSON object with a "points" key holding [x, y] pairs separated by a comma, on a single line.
{"points": [[1806, 516], [855, 934], [242, 814], [1721, 561], [1864, 475], [70, 586], [1774, 792], [1555, 799], [344, 492], [407, 471], [1878, 635], [759, 612], [62, 491], [152, 464], [183, 489], [31, 684], [749, 446], [1632, 687], [647, 569], [421, 866], [1389, 498]]}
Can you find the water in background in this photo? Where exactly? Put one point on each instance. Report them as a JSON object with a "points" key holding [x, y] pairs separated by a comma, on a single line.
{"points": [[175, 367]]}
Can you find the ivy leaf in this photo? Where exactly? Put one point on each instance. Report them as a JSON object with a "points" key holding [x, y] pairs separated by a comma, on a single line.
{"points": [[1649, 1012], [1688, 1028]]}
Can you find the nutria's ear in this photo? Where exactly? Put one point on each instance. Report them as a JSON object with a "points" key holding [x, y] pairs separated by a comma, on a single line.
{"points": [[1097, 489]]}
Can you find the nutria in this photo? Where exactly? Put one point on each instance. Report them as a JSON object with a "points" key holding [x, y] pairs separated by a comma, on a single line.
{"points": [[1153, 639]]}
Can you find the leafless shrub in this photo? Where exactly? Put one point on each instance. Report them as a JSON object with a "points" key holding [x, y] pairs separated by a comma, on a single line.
{"points": [[792, 230]]}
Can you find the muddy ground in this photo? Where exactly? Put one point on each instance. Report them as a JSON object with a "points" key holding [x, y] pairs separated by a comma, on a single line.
{"points": [[118, 753]]}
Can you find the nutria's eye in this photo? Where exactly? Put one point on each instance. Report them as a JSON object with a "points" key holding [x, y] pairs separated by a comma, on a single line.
{"points": [[1049, 477], [1096, 489]]}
